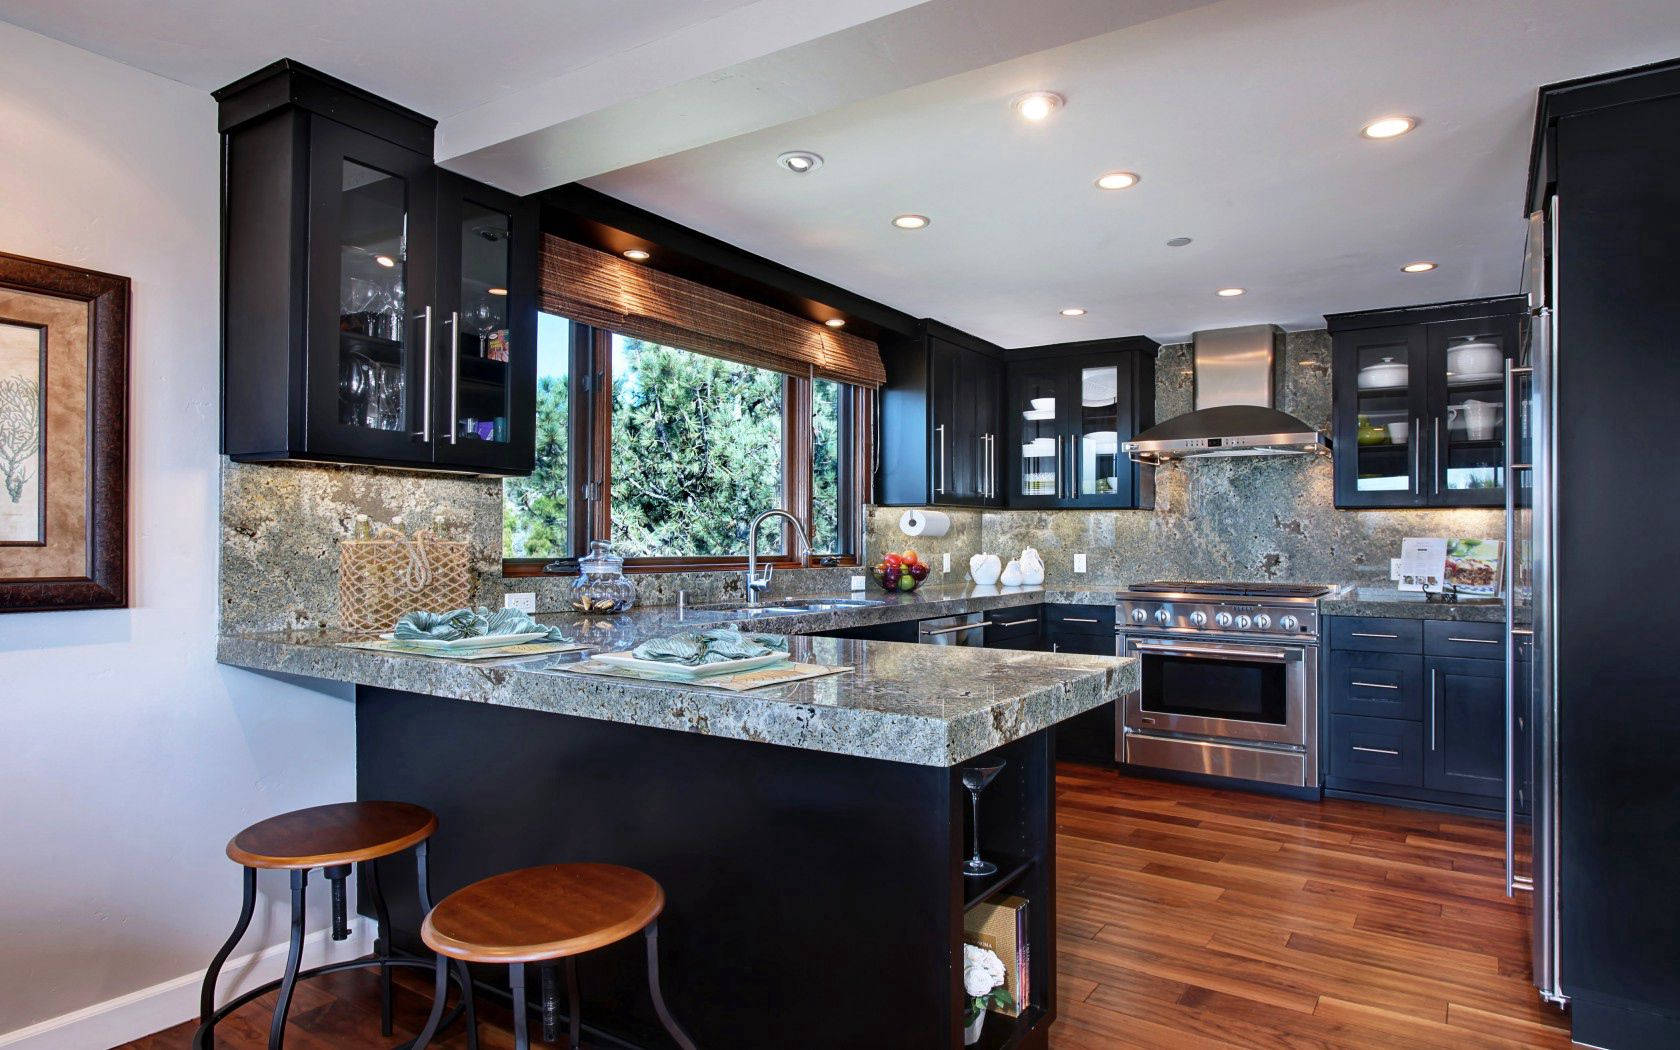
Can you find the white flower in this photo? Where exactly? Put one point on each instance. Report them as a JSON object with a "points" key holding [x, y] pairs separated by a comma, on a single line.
{"points": [[982, 970]]}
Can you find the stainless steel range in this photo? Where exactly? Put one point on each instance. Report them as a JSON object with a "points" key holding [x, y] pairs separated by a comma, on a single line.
{"points": [[1229, 679]]}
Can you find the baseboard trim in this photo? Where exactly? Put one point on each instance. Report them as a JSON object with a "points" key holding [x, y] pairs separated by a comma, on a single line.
{"points": [[148, 1010]]}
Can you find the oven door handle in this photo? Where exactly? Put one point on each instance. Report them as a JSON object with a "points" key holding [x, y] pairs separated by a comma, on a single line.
{"points": [[1279, 656]]}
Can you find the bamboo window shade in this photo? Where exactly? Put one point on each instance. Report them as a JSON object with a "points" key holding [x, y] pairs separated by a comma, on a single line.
{"points": [[600, 289]]}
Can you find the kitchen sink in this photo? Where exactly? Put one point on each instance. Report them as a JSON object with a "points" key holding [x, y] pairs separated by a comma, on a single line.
{"points": [[788, 606]]}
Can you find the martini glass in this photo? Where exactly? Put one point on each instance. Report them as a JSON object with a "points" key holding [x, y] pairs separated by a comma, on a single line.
{"points": [[975, 779]]}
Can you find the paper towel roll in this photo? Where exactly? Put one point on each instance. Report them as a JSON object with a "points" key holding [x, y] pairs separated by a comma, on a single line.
{"points": [[918, 522]]}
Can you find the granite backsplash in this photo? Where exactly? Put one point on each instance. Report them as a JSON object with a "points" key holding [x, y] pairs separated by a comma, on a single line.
{"points": [[1247, 519], [1251, 518]]}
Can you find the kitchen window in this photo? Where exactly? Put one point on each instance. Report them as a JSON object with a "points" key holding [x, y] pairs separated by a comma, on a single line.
{"points": [[669, 452]]}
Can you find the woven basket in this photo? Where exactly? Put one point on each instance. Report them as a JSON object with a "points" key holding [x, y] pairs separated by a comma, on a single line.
{"points": [[382, 578]]}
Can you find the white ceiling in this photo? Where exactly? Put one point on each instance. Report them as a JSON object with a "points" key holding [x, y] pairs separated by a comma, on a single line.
{"points": [[1242, 118]]}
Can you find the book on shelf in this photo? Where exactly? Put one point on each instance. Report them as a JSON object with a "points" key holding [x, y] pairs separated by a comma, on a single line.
{"points": [[1001, 925]]}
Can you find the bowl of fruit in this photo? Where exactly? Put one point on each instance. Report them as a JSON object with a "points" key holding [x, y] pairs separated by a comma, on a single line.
{"points": [[902, 572]]}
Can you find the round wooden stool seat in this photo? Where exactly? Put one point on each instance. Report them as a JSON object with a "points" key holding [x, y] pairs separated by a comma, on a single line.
{"points": [[543, 913], [323, 836]]}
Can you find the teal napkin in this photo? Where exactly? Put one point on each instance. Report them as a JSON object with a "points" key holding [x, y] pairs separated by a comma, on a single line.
{"points": [[709, 647], [470, 623]]}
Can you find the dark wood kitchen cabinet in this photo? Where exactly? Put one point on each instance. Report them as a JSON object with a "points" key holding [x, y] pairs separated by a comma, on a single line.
{"points": [[1067, 409], [1087, 629], [1419, 403], [375, 308], [940, 433], [1415, 712]]}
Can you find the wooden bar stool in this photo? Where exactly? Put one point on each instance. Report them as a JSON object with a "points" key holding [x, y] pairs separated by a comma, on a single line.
{"points": [[540, 915], [331, 838]]}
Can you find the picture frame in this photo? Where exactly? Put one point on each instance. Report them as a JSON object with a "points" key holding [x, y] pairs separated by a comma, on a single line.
{"points": [[63, 437]]}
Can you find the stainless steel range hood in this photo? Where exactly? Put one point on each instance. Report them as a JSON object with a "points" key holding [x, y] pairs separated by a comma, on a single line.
{"points": [[1234, 414]]}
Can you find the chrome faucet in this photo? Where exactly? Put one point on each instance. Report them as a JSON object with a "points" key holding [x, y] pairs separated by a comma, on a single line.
{"points": [[754, 584]]}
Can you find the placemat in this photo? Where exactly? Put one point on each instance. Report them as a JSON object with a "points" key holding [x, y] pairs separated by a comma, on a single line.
{"points": [[778, 674], [500, 652]]}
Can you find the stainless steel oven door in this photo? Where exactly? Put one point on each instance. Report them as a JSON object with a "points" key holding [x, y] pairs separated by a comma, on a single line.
{"points": [[1231, 690]]}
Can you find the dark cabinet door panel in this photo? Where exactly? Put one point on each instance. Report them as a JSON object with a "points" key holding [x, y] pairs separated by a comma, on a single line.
{"points": [[1465, 719], [1380, 634], [1378, 750], [1379, 685]]}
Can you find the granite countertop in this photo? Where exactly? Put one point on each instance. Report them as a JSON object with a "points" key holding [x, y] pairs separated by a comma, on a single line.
{"points": [[924, 705], [1354, 600]]}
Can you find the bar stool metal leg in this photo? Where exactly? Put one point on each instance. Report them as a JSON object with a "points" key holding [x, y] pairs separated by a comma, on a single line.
{"points": [[207, 996], [277, 1031], [574, 1002], [464, 975], [439, 992], [659, 1007], [516, 983], [381, 943]]}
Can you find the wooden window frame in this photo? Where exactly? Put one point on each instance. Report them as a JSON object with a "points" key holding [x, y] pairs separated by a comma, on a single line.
{"points": [[589, 469]]}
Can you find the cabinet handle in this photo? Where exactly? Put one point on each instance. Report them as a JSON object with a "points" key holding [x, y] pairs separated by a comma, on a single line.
{"points": [[454, 376], [1434, 720], [1377, 750], [1054, 648], [1476, 641], [1080, 619], [426, 378], [939, 486], [958, 627], [1436, 472], [1367, 634], [1017, 623], [1061, 475], [1417, 456], [1373, 685]]}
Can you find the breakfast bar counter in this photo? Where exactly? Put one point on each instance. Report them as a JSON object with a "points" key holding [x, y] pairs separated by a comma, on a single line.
{"points": [[809, 836]]}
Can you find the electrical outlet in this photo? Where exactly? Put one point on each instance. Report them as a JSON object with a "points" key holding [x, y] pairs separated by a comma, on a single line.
{"points": [[857, 583], [1079, 562], [524, 601], [946, 562]]}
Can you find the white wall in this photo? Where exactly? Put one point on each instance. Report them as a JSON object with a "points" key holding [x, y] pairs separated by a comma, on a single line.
{"points": [[127, 755]]}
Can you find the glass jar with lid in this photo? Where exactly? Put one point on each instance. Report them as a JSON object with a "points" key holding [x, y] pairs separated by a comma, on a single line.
{"points": [[601, 587]]}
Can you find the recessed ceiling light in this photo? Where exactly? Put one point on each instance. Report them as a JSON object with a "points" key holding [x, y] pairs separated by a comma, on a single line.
{"points": [[1229, 292], [836, 322], [1388, 127], [1417, 267], [800, 161], [1073, 311], [637, 255], [1178, 242], [1037, 105], [385, 260], [911, 221], [1117, 180], [497, 291]]}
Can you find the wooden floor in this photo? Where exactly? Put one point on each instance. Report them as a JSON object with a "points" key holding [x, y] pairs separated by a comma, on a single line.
{"points": [[1196, 918]]}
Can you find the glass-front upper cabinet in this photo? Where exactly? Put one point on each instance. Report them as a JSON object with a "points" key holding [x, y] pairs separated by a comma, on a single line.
{"points": [[368, 339], [375, 309], [1068, 411], [1034, 457], [485, 394], [1098, 464], [1420, 407], [1467, 381]]}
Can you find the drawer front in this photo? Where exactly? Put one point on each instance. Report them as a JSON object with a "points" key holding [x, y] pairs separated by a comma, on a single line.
{"points": [[1016, 628], [1061, 640], [1377, 685], [1087, 619], [1383, 750], [1376, 634], [1478, 641]]}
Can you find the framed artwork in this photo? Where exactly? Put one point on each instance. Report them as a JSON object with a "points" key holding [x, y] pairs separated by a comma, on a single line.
{"points": [[63, 437]]}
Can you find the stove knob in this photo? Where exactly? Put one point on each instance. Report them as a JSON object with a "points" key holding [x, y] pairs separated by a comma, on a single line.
{"points": [[1223, 619], [1289, 623], [1199, 618], [1140, 616], [1262, 622], [1163, 617], [1244, 623]]}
